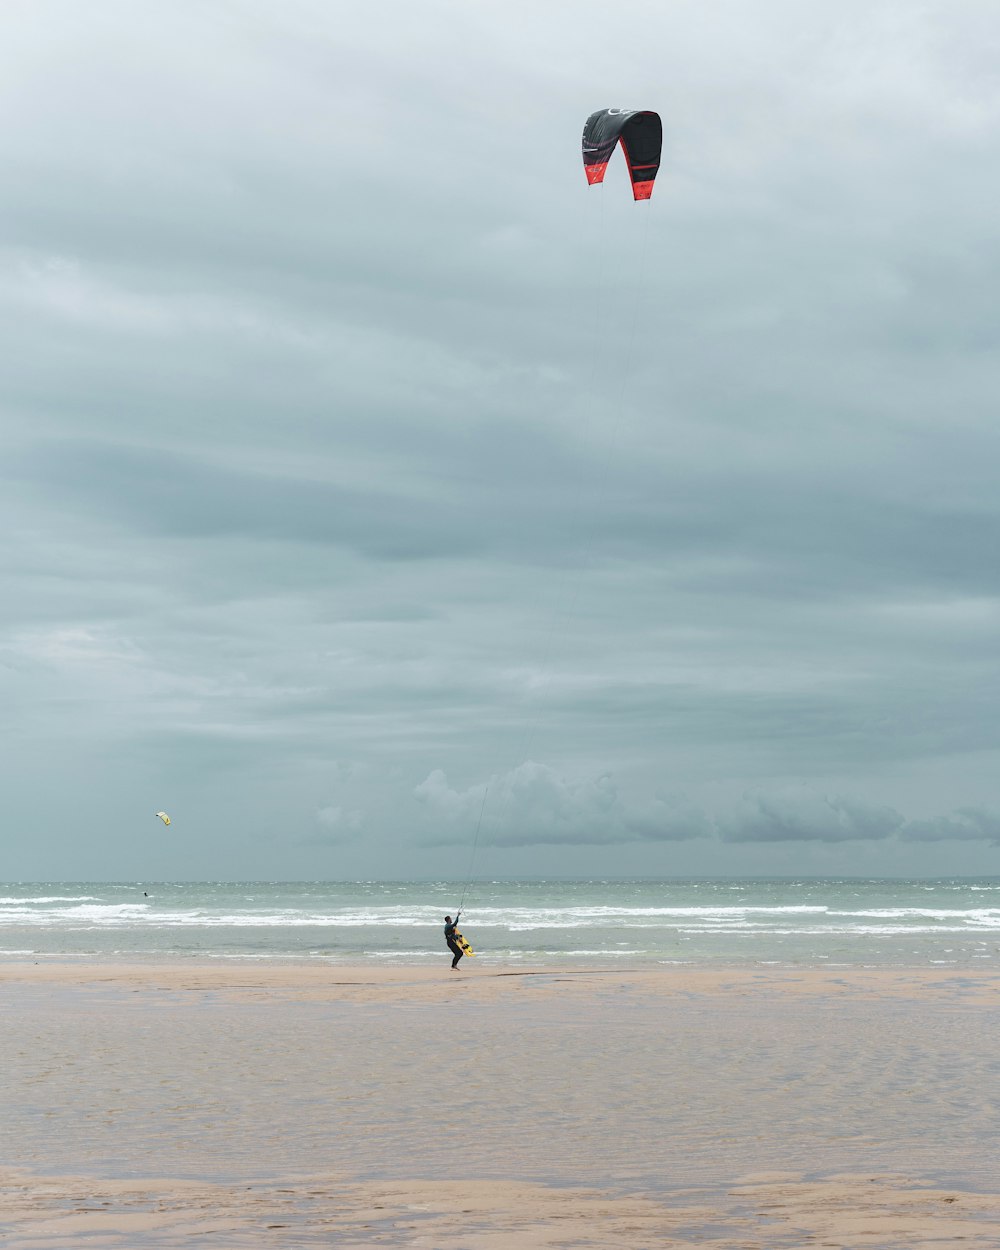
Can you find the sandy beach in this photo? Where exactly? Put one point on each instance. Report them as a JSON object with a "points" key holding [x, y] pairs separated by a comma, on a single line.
{"points": [[237, 1103]]}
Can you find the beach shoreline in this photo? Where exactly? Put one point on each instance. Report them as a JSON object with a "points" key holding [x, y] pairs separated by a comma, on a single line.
{"points": [[247, 1102]]}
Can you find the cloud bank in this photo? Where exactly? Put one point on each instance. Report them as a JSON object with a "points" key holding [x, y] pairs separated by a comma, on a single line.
{"points": [[352, 445], [533, 806]]}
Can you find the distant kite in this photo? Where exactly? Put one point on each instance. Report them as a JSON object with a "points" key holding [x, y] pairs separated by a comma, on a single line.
{"points": [[164, 817], [641, 136]]}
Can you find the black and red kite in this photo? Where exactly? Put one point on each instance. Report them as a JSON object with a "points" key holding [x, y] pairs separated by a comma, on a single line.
{"points": [[641, 135]]}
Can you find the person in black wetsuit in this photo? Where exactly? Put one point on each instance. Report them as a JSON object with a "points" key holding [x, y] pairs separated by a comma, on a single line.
{"points": [[449, 936]]}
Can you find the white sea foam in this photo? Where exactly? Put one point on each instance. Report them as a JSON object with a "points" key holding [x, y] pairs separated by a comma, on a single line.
{"points": [[858, 931], [48, 898], [924, 913], [800, 920]]}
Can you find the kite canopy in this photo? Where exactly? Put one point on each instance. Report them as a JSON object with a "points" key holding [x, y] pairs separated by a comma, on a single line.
{"points": [[164, 817], [641, 136]]}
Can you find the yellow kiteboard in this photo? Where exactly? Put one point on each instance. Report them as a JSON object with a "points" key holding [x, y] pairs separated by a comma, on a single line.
{"points": [[465, 947]]}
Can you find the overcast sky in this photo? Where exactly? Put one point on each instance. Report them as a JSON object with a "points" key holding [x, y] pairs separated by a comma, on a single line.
{"points": [[364, 473]]}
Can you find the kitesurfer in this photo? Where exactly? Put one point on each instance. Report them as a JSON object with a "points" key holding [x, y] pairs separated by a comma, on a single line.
{"points": [[450, 928]]}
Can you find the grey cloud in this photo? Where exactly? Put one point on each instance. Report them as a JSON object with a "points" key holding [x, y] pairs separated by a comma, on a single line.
{"points": [[544, 503], [802, 814], [967, 824], [183, 496], [534, 806], [341, 418], [335, 827]]}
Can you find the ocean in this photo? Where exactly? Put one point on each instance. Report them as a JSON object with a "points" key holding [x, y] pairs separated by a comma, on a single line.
{"points": [[800, 921]]}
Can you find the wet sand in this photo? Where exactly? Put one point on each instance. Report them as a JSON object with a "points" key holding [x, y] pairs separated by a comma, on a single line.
{"points": [[238, 1104]]}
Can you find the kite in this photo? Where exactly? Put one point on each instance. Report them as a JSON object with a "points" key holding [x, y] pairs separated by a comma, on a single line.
{"points": [[640, 133]]}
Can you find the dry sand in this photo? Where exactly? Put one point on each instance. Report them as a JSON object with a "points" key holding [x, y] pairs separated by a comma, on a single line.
{"points": [[240, 1104]]}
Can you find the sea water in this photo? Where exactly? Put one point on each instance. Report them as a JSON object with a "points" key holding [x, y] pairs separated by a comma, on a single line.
{"points": [[795, 921]]}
